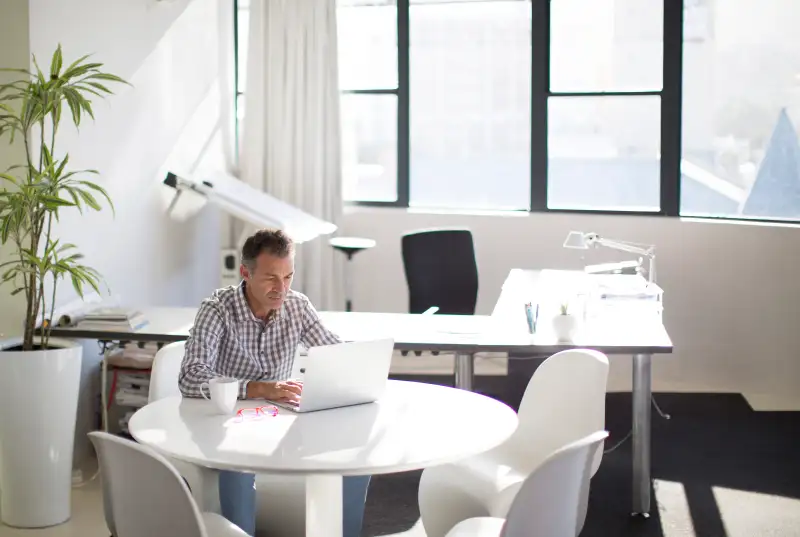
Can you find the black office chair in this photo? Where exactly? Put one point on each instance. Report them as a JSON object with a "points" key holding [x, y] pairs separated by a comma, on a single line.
{"points": [[441, 271]]}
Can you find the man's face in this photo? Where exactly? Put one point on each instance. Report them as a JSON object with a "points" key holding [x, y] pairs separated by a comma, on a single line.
{"points": [[270, 279]]}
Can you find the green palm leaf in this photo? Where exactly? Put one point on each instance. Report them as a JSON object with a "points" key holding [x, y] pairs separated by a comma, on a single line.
{"points": [[33, 192]]}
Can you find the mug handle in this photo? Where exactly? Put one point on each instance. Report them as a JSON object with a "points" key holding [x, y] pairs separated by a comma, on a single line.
{"points": [[203, 386]]}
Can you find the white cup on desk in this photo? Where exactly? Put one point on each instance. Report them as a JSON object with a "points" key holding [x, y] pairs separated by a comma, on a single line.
{"points": [[223, 392]]}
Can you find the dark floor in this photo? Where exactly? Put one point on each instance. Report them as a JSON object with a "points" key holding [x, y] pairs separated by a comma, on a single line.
{"points": [[711, 443]]}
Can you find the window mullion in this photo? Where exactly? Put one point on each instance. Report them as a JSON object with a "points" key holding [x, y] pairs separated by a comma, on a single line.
{"points": [[540, 87], [403, 117], [671, 108]]}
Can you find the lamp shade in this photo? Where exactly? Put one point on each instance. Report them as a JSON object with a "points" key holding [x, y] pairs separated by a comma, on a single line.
{"points": [[577, 240]]}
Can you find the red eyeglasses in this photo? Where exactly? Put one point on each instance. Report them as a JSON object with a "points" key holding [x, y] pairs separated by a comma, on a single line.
{"points": [[258, 412]]}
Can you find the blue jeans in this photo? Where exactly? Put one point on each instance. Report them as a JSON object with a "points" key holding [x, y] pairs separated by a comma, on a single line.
{"points": [[237, 498]]}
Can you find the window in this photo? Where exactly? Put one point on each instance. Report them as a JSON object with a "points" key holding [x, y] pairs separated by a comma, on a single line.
{"points": [[510, 104], [369, 147], [470, 104], [688, 107], [741, 109], [369, 80], [604, 105], [603, 153]]}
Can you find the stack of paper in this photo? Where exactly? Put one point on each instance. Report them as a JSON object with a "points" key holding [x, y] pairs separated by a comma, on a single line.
{"points": [[132, 389], [112, 319], [623, 295], [134, 355]]}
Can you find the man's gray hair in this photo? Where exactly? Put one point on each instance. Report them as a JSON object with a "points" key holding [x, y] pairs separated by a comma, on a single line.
{"points": [[272, 241]]}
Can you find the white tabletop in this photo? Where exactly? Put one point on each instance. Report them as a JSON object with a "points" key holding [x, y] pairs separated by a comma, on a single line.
{"points": [[413, 426], [503, 331]]}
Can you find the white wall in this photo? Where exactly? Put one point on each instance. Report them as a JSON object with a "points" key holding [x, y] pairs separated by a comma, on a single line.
{"points": [[731, 305], [13, 53], [169, 52]]}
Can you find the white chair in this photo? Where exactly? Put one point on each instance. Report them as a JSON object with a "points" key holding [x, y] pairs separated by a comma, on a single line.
{"points": [[203, 482], [280, 500], [148, 496], [563, 402], [549, 502]]}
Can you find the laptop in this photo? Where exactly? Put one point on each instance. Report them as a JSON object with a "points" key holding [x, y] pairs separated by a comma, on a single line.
{"points": [[343, 374]]}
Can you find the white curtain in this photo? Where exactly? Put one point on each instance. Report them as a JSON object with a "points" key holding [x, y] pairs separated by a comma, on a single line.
{"points": [[290, 145]]}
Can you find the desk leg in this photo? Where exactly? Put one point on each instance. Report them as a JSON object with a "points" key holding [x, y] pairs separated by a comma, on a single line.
{"points": [[324, 504], [641, 434], [464, 370]]}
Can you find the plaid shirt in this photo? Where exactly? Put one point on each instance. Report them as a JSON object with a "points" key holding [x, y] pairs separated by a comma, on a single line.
{"points": [[228, 340]]}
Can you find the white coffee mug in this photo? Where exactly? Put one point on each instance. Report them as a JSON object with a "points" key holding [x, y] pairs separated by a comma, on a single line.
{"points": [[224, 392]]}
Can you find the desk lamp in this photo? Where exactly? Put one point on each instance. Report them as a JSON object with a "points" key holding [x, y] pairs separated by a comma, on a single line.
{"points": [[584, 241]]}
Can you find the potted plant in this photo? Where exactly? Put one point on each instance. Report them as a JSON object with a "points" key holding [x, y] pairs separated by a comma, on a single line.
{"points": [[565, 324], [40, 376]]}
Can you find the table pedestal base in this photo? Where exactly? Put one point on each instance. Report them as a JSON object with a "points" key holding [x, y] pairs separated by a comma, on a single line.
{"points": [[324, 504]]}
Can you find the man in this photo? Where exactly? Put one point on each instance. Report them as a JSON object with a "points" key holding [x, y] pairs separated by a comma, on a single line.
{"points": [[251, 332]]}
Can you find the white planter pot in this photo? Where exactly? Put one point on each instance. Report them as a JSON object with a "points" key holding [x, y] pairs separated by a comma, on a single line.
{"points": [[38, 410], [565, 326]]}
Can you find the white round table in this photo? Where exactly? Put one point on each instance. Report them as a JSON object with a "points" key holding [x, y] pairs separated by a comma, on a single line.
{"points": [[413, 426]]}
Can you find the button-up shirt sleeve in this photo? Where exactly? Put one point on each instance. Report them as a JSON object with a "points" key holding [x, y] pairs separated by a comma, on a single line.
{"points": [[202, 351], [314, 332]]}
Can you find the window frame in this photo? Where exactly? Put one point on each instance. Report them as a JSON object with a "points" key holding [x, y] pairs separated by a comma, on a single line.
{"points": [[670, 94], [671, 126], [237, 92], [403, 113]]}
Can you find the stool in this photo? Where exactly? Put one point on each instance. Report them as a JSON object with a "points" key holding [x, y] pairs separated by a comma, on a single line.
{"points": [[350, 246]]}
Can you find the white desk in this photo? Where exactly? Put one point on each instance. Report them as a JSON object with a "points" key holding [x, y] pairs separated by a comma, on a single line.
{"points": [[413, 426], [503, 331]]}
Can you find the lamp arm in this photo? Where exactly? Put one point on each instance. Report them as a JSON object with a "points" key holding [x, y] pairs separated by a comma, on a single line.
{"points": [[624, 247]]}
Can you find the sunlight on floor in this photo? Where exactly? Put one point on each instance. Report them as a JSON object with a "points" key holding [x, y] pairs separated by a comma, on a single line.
{"points": [[673, 508], [746, 514], [740, 513]]}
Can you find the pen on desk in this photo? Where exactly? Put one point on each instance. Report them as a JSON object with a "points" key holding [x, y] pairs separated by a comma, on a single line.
{"points": [[529, 318]]}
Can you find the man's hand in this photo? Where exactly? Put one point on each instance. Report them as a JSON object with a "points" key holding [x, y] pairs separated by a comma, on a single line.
{"points": [[282, 391]]}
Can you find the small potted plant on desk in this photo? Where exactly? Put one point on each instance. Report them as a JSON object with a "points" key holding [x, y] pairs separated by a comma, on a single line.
{"points": [[40, 376], [565, 324]]}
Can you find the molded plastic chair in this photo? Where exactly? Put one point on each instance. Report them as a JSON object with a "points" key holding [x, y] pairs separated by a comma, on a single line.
{"points": [[441, 271], [203, 482], [549, 502], [280, 500], [563, 402], [148, 496]]}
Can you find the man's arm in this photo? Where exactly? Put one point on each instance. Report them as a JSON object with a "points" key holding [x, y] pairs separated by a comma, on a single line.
{"points": [[314, 332], [202, 352]]}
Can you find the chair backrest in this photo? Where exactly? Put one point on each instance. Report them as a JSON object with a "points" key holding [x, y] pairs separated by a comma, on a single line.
{"points": [[550, 499], [441, 271], [165, 371], [148, 497], [564, 401]]}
